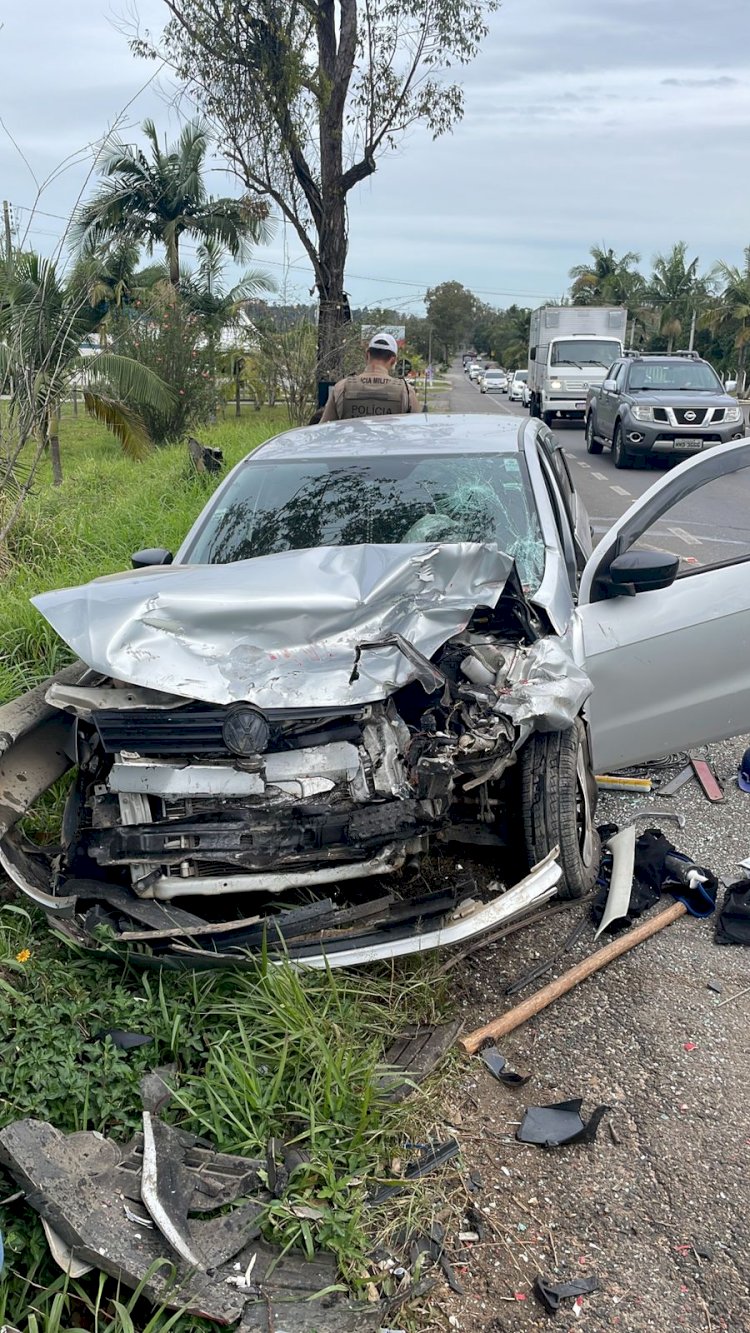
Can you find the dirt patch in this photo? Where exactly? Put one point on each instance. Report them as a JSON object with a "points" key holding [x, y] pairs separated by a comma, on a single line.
{"points": [[659, 1206]]}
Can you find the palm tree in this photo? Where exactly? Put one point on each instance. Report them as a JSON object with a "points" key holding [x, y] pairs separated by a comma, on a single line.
{"points": [[205, 293], [608, 279], [43, 326], [677, 291], [157, 199], [731, 314], [219, 307]]}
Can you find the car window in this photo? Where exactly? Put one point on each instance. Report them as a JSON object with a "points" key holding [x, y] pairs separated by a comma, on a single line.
{"points": [[563, 520], [681, 375], [621, 374], [708, 528], [277, 506]]}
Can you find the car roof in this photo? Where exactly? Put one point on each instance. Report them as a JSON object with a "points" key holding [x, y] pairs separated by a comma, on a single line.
{"points": [[405, 433]]}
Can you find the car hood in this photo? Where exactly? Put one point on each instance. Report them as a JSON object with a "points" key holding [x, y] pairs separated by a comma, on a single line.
{"points": [[285, 630], [682, 398]]}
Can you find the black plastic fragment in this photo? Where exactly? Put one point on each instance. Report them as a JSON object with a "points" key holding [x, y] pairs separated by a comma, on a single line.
{"points": [[552, 1293], [558, 1124], [498, 1065], [428, 1161], [124, 1041]]}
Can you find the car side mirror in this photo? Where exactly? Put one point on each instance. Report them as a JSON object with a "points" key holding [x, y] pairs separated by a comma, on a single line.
{"points": [[152, 555], [640, 571], [610, 386]]}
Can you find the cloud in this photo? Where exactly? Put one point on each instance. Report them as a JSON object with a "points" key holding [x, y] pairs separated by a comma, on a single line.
{"points": [[721, 81], [585, 122]]}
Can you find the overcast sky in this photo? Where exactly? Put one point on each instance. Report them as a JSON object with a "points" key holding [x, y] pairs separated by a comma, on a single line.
{"points": [[586, 121]]}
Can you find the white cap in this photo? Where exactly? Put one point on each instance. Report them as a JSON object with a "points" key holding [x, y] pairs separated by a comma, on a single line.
{"points": [[385, 341]]}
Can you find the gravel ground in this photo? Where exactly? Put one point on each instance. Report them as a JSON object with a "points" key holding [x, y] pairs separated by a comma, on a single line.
{"points": [[658, 1208]]}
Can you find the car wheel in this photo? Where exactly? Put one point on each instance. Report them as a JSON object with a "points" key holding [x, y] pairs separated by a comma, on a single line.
{"points": [[593, 446], [558, 794], [620, 456], [547, 418]]}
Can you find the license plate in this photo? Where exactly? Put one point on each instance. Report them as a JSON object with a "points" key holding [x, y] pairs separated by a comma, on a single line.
{"points": [[688, 444]]}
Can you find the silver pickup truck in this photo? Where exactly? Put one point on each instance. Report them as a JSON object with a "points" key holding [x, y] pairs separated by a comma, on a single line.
{"points": [[674, 405]]}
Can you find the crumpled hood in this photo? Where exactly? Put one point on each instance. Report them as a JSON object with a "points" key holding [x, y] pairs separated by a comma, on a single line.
{"points": [[280, 630]]}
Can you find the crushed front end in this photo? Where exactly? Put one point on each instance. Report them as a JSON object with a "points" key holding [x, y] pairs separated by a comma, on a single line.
{"points": [[197, 830]]}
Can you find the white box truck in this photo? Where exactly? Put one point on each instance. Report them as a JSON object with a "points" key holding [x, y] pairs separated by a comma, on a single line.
{"points": [[570, 349]]}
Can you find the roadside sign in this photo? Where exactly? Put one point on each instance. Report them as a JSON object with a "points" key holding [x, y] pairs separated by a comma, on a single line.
{"points": [[397, 331]]}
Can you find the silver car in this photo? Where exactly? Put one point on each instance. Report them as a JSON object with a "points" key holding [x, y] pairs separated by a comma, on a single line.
{"points": [[379, 638]]}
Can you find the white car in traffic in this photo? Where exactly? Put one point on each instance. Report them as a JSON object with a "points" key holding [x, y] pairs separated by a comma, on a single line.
{"points": [[517, 386], [493, 381]]}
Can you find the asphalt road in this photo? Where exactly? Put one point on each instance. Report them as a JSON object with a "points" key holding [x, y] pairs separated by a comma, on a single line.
{"points": [[710, 526]]}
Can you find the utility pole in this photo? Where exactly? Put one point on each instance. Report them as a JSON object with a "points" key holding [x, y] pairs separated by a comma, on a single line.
{"points": [[691, 344], [428, 367], [8, 241]]}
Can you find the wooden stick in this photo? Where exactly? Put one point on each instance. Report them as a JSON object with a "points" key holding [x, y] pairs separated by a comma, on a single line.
{"points": [[515, 1017]]}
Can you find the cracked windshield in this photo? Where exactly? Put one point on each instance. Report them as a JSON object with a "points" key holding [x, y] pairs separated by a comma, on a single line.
{"points": [[285, 506]]}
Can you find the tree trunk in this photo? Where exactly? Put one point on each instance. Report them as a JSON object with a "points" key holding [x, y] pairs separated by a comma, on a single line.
{"points": [[53, 444], [174, 262], [237, 403], [334, 311]]}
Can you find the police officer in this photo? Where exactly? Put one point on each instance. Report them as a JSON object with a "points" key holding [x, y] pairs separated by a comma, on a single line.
{"points": [[374, 392]]}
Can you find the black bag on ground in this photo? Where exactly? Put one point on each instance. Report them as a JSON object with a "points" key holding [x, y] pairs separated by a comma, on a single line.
{"points": [[733, 921]]}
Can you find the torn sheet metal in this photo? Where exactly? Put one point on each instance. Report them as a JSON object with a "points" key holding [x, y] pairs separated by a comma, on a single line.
{"points": [[280, 630], [543, 689]]}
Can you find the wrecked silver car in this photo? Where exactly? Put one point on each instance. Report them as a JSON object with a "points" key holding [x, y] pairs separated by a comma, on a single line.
{"points": [[367, 647]]}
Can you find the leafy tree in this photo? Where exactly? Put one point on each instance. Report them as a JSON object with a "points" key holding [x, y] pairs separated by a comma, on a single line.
{"points": [[157, 200], [43, 324], [608, 279], [730, 315], [676, 291], [310, 95], [165, 334], [451, 311]]}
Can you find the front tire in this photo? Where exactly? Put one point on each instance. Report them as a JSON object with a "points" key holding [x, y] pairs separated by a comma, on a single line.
{"points": [[593, 446], [620, 456], [558, 796]]}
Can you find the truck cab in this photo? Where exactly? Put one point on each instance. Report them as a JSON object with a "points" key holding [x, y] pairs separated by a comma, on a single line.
{"points": [[570, 349]]}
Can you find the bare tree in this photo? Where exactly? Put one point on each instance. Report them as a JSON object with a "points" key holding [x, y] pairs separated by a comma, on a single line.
{"points": [[308, 94]]}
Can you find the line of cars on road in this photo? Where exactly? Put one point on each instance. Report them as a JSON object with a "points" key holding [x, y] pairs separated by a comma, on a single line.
{"points": [[493, 379]]}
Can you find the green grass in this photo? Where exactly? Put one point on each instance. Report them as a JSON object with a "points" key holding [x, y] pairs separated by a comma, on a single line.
{"points": [[266, 1053], [107, 507], [273, 1052]]}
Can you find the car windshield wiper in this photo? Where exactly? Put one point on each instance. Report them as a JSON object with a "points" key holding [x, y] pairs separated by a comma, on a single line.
{"points": [[565, 362], [689, 388], [588, 362]]}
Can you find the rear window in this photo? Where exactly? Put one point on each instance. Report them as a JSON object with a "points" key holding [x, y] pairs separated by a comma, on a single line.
{"points": [[271, 507]]}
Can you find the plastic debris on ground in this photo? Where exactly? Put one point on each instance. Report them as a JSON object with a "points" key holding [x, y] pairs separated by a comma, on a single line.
{"points": [[498, 1066], [658, 867], [429, 1160], [552, 1293], [559, 1124], [166, 1196]]}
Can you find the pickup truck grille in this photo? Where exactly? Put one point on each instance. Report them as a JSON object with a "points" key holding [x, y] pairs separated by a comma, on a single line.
{"points": [[690, 416]]}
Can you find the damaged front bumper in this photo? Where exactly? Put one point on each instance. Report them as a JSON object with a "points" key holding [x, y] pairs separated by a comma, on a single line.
{"points": [[143, 863]]}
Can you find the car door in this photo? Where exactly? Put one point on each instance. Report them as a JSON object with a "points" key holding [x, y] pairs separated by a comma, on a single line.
{"points": [[671, 668], [608, 400]]}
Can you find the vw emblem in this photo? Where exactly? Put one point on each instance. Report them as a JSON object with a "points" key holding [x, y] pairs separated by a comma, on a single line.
{"points": [[690, 416], [245, 730]]}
